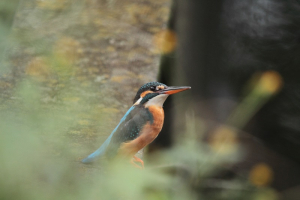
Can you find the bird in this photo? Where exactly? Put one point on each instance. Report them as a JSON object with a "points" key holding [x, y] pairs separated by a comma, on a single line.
{"points": [[140, 125]]}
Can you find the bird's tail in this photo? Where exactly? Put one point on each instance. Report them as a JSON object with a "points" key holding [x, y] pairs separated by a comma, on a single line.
{"points": [[101, 151], [98, 153]]}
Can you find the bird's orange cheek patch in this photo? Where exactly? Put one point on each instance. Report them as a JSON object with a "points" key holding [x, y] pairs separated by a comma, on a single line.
{"points": [[145, 93]]}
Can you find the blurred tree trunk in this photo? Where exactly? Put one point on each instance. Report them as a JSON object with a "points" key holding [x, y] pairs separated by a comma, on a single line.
{"points": [[92, 55]]}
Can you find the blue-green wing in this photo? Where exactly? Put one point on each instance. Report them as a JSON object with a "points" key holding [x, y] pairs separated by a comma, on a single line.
{"points": [[130, 130], [102, 149]]}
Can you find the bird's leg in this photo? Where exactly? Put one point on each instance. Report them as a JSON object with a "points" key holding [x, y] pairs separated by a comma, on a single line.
{"points": [[137, 160]]}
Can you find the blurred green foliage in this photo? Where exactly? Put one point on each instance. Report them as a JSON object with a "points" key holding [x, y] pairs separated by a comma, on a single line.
{"points": [[7, 13]]}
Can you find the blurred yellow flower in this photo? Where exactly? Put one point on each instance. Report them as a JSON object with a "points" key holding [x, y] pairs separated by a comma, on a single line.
{"points": [[270, 82], [223, 140], [165, 41], [261, 175]]}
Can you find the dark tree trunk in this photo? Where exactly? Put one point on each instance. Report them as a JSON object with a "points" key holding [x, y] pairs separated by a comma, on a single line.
{"points": [[221, 45]]}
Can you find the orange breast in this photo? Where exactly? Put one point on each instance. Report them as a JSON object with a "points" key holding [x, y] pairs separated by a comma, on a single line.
{"points": [[148, 133], [158, 119]]}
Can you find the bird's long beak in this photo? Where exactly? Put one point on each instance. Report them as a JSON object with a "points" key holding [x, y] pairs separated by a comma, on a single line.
{"points": [[174, 89]]}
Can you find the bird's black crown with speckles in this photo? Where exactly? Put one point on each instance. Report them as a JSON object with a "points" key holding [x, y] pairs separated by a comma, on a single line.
{"points": [[147, 86]]}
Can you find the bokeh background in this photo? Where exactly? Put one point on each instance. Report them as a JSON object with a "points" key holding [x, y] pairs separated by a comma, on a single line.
{"points": [[70, 69]]}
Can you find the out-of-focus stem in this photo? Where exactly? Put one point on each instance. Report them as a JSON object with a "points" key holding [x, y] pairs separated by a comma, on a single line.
{"points": [[270, 83]]}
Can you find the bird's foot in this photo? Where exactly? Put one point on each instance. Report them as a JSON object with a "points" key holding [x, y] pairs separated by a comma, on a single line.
{"points": [[136, 159]]}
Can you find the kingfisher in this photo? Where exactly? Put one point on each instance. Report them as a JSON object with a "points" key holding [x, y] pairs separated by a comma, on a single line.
{"points": [[139, 126]]}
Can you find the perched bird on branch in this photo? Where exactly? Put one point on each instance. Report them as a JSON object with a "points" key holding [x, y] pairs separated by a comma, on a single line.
{"points": [[140, 125]]}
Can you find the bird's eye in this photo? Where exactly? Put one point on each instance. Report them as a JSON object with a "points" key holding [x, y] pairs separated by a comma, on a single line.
{"points": [[152, 88]]}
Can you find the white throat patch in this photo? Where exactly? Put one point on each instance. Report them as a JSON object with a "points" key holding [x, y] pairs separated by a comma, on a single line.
{"points": [[138, 101], [157, 101]]}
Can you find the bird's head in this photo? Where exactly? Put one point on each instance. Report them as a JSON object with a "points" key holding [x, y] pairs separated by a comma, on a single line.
{"points": [[155, 93]]}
